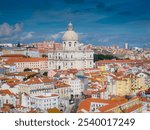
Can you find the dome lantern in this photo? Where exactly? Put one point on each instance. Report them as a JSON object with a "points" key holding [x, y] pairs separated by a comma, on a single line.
{"points": [[70, 27], [70, 35]]}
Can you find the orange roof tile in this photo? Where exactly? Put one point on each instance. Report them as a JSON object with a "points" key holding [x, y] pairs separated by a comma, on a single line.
{"points": [[85, 104], [5, 92], [21, 74], [13, 55], [42, 96], [14, 60], [38, 80], [137, 106]]}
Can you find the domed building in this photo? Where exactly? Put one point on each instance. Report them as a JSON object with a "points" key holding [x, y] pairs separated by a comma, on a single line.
{"points": [[73, 55]]}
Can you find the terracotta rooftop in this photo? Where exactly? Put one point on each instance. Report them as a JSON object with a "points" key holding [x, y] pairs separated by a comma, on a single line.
{"points": [[42, 96], [85, 104], [119, 61], [38, 80], [13, 55], [137, 106], [21, 74], [61, 84], [14, 60], [5, 92]]}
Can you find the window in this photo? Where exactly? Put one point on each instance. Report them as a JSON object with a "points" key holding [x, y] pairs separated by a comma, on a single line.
{"points": [[69, 44], [59, 67]]}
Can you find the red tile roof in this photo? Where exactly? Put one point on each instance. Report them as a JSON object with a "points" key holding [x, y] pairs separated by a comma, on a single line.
{"points": [[13, 55], [6, 91], [38, 80], [14, 60]]}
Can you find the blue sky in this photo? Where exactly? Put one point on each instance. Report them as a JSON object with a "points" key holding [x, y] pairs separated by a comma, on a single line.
{"points": [[100, 22]]}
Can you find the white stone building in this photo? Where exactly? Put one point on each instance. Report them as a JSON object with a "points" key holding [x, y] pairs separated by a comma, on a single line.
{"points": [[7, 97], [37, 86], [73, 54], [76, 86], [43, 102], [31, 63]]}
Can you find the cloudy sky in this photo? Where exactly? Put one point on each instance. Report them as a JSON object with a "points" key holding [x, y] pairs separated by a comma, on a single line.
{"points": [[100, 22]]}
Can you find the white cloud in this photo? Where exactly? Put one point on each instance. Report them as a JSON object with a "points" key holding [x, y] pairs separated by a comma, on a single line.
{"points": [[55, 36], [26, 36], [14, 32], [10, 30]]}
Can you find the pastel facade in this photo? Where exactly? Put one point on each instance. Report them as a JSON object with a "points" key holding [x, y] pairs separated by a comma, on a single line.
{"points": [[42, 102], [76, 86], [7, 97], [31, 63], [37, 86]]}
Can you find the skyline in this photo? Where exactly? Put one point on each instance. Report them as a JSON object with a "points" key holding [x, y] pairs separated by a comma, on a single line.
{"points": [[99, 22]]}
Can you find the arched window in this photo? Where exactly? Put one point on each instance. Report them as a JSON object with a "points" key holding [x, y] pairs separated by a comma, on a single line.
{"points": [[69, 44], [75, 43], [59, 67]]}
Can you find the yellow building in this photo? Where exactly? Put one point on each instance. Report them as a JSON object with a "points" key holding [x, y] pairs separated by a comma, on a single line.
{"points": [[123, 87], [119, 86], [126, 85]]}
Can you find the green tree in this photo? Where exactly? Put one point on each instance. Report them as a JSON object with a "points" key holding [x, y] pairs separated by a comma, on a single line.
{"points": [[98, 57], [27, 69], [45, 73]]}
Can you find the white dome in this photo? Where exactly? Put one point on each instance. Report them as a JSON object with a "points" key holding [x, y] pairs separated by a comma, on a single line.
{"points": [[70, 35]]}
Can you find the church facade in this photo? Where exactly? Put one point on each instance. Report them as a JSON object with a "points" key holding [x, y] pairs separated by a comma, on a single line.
{"points": [[73, 55]]}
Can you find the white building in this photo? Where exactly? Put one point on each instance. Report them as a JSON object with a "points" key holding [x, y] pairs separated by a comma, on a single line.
{"points": [[37, 86], [126, 46], [62, 89], [7, 97], [76, 86], [42, 102], [73, 54], [31, 63], [14, 89]]}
